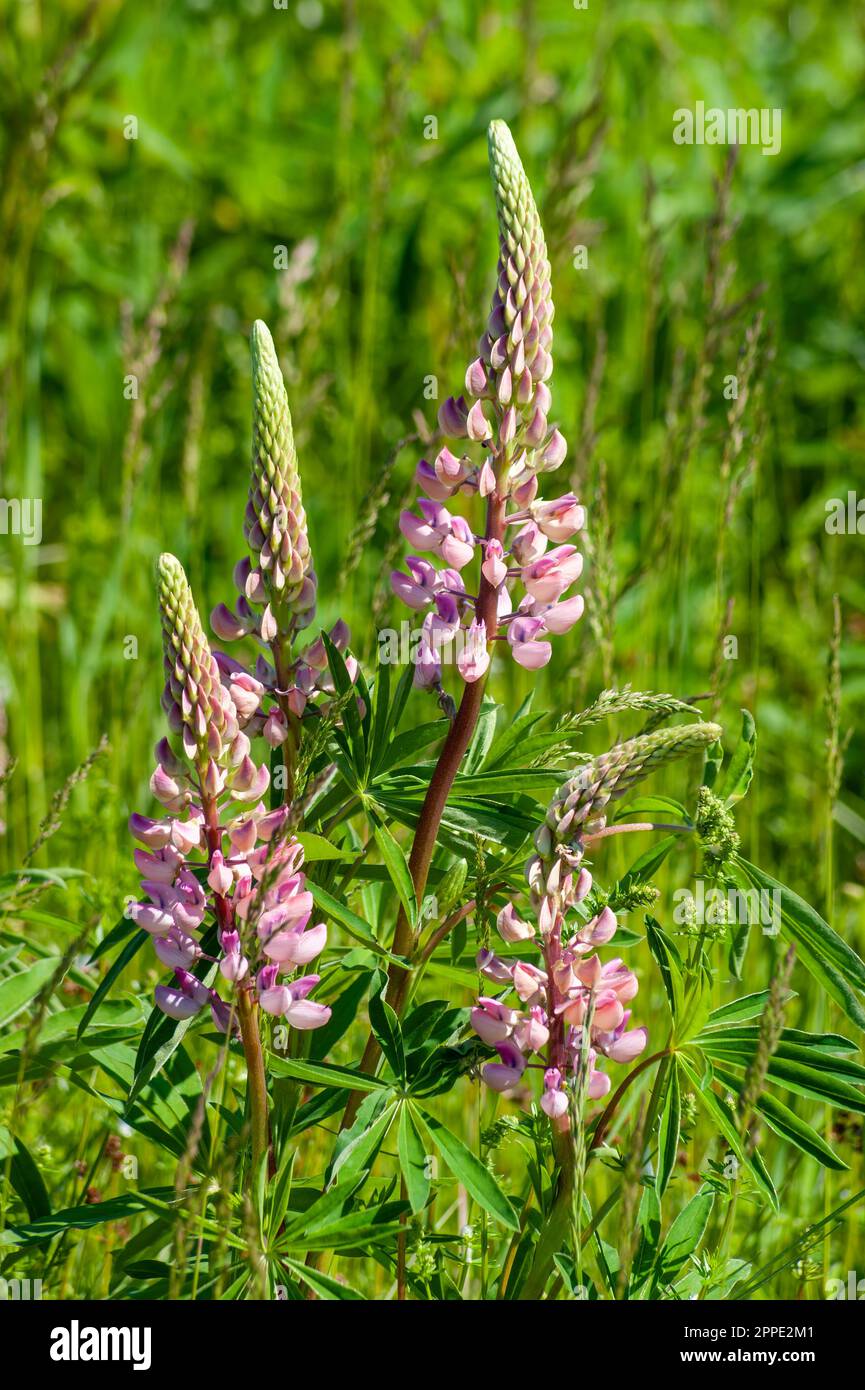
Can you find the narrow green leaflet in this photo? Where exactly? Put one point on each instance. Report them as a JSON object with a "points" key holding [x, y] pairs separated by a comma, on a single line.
{"points": [[669, 963], [397, 867], [671, 1119], [737, 778], [386, 1027], [682, 1239], [356, 927], [27, 1181], [18, 991], [413, 1160], [348, 705], [482, 739], [322, 1284], [324, 1074], [789, 1125], [129, 952], [467, 1169], [316, 847], [359, 1154]]}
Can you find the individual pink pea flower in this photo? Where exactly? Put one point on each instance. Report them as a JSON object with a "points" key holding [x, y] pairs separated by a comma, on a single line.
{"points": [[416, 588], [427, 478], [555, 452], [476, 378], [162, 866], [153, 833], [504, 1074], [270, 824], [275, 728], [427, 664], [249, 783], [220, 877], [450, 470], [474, 659], [234, 965], [297, 946], [243, 835], [529, 982], [187, 835], [558, 618], [492, 1020], [418, 531], [531, 1032], [554, 572], [442, 625], [597, 932], [246, 692], [529, 544], [617, 976], [554, 1101], [176, 949], [167, 790], [511, 928], [494, 569], [478, 426], [452, 416], [525, 493], [599, 1082], [156, 916], [189, 901], [608, 1011], [458, 544], [228, 626], [486, 479], [560, 517], [183, 999], [526, 650], [621, 1045], [492, 967], [290, 1001]]}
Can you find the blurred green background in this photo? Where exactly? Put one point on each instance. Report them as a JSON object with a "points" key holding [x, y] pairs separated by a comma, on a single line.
{"points": [[297, 137], [172, 171]]}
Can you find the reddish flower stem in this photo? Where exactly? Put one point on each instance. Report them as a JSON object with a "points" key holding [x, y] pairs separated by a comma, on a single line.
{"points": [[247, 1012], [426, 833]]}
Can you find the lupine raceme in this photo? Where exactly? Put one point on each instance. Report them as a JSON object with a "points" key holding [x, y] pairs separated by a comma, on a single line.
{"points": [[276, 580], [224, 886], [524, 555], [572, 1007]]}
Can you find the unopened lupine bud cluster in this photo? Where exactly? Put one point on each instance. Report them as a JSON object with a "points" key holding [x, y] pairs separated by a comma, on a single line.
{"points": [[215, 751], [276, 581], [571, 1007], [216, 859], [505, 411]]}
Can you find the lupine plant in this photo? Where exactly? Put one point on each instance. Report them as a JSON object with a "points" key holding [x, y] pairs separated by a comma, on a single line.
{"points": [[461, 882]]}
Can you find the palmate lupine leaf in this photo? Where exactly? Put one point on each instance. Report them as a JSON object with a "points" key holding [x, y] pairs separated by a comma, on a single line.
{"points": [[822, 951], [787, 1124], [725, 1122], [468, 1169]]}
